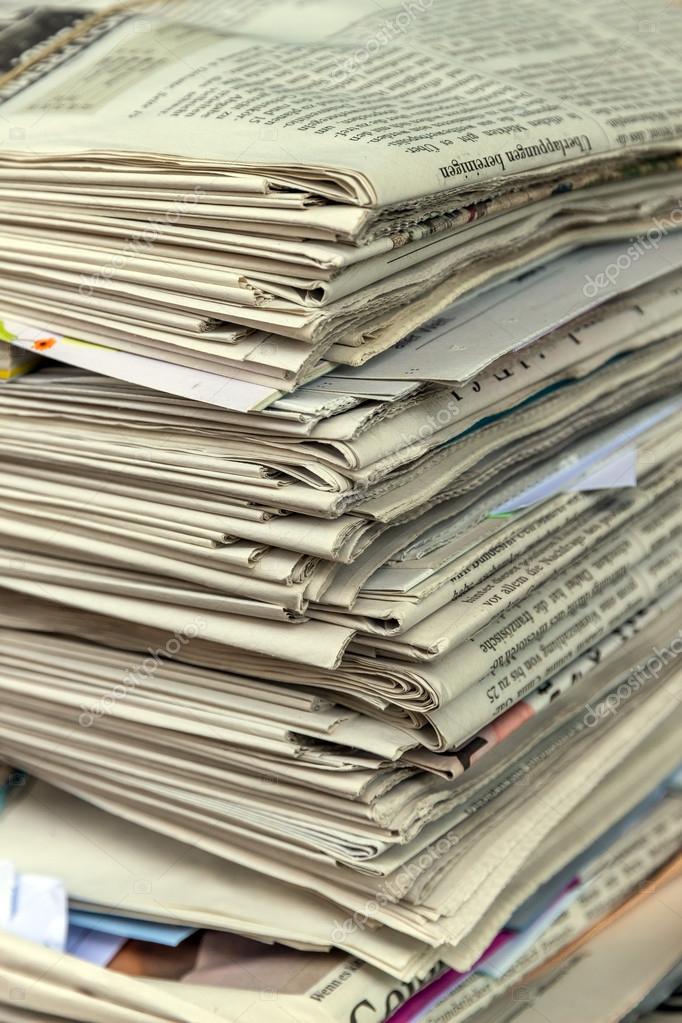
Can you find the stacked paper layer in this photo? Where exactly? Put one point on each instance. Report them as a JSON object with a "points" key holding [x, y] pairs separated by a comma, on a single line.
{"points": [[250, 242], [341, 563]]}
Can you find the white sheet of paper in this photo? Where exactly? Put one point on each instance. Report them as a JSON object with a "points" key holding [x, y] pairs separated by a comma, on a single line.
{"points": [[93, 946], [7, 883], [472, 334], [40, 911], [619, 470], [212, 388]]}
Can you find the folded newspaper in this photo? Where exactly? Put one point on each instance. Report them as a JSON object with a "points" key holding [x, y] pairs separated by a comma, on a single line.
{"points": [[341, 497], [232, 200]]}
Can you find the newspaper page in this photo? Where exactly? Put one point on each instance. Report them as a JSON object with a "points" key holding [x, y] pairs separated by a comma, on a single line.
{"points": [[390, 105]]}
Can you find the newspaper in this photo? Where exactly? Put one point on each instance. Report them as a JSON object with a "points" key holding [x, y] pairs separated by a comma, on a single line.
{"points": [[239, 970], [577, 758], [612, 955], [472, 140], [350, 616], [336, 257]]}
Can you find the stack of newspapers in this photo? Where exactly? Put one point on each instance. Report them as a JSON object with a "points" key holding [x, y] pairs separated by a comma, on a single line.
{"points": [[341, 500]]}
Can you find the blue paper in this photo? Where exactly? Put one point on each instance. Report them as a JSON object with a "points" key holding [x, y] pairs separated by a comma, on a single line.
{"points": [[129, 927]]}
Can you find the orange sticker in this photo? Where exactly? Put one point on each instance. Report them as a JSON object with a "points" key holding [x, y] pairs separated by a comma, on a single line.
{"points": [[43, 343]]}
